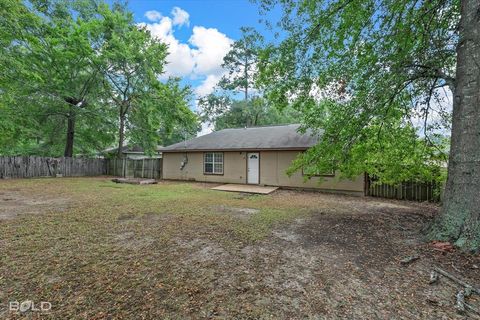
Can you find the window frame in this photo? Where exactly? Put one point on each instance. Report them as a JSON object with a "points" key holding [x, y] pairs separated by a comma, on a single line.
{"points": [[330, 174], [213, 162]]}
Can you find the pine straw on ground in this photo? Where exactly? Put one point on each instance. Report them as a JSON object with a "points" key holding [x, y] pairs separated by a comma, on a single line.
{"points": [[97, 250]]}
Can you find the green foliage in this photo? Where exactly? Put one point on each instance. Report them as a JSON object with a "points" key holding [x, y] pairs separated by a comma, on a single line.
{"points": [[225, 112], [241, 62], [223, 108], [164, 117], [369, 76], [47, 76], [73, 71], [255, 112], [131, 62]]}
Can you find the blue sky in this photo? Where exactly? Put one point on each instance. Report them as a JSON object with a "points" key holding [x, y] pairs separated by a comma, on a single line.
{"points": [[199, 33], [225, 15]]}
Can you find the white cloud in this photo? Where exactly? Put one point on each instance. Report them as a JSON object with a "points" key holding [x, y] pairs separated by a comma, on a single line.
{"points": [[180, 17], [212, 46], [200, 57], [180, 59], [160, 29], [153, 15], [207, 85]]}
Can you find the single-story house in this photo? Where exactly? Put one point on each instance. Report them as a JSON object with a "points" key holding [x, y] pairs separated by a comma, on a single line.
{"points": [[258, 155]]}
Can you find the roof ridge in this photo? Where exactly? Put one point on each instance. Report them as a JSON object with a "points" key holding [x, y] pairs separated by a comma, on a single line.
{"points": [[263, 126]]}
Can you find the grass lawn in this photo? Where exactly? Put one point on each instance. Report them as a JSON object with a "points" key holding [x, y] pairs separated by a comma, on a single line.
{"points": [[96, 250]]}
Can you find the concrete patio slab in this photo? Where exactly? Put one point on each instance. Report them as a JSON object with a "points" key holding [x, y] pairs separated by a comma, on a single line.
{"points": [[246, 188]]}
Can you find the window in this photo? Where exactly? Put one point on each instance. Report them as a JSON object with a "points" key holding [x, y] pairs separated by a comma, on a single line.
{"points": [[313, 171], [213, 163]]}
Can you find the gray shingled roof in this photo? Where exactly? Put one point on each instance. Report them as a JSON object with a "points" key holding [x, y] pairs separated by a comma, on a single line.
{"points": [[256, 138]]}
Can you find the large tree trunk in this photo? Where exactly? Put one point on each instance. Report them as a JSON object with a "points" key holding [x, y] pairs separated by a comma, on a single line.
{"points": [[121, 136], [459, 219], [70, 134]]}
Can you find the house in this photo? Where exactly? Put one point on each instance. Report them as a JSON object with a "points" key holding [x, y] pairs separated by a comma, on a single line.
{"points": [[134, 152], [258, 155]]}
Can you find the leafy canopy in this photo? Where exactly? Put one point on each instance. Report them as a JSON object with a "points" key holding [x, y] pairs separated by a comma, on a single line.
{"points": [[371, 76], [224, 108], [82, 63]]}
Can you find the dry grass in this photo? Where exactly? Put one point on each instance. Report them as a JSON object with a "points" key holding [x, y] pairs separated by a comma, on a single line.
{"points": [[95, 250]]}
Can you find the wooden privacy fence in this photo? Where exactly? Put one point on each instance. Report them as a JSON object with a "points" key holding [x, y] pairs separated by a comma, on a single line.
{"points": [[135, 168], [407, 190], [32, 166]]}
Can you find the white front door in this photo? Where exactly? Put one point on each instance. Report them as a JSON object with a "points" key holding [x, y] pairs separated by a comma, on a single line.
{"points": [[253, 169]]}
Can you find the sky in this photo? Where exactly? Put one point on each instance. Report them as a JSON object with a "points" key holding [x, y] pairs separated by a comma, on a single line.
{"points": [[199, 34]]}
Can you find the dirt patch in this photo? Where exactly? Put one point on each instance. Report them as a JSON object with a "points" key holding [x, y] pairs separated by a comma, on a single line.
{"points": [[243, 213], [147, 217], [362, 240], [130, 240], [200, 252], [155, 217], [14, 203]]}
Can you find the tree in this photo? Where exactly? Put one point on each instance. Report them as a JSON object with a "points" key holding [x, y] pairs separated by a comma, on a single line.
{"points": [[73, 73], [13, 128], [132, 61], [240, 62], [362, 73], [48, 74], [164, 118], [230, 113], [223, 108], [460, 216]]}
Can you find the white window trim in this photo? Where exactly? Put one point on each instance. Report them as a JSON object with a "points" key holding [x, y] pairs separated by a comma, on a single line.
{"points": [[215, 156]]}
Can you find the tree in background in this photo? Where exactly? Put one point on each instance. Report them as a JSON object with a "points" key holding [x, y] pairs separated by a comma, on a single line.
{"points": [[223, 108], [53, 78], [15, 130], [75, 73], [131, 62], [230, 113], [391, 62], [241, 62], [164, 118]]}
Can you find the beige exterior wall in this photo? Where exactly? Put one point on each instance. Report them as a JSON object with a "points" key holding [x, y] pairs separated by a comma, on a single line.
{"points": [[273, 167], [234, 167]]}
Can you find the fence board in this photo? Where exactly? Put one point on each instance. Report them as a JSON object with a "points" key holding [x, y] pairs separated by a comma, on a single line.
{"points": [[33, 166], [407, 190]]}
